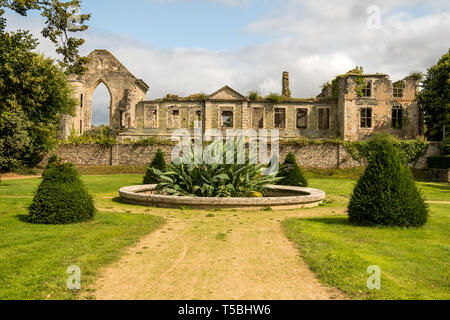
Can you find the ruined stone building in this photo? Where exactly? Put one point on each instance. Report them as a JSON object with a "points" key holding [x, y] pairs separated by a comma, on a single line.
{"points": [[353, 108]]}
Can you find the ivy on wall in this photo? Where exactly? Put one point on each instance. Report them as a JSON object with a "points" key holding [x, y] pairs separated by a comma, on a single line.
{"points": [[359, 79], [413, 150]]}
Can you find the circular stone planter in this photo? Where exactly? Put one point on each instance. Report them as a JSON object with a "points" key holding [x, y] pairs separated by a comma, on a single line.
{"points": [[279, 197]]}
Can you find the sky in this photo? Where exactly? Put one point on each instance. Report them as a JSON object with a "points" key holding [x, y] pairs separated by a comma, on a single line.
{"points": [[191, 46]]}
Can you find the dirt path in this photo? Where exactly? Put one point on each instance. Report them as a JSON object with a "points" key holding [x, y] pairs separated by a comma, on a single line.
{"points": [[438, 202], [12, 176], [233, 255]]}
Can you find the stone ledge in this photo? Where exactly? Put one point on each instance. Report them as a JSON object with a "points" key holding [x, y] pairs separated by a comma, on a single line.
{"points": [[305, 198]]}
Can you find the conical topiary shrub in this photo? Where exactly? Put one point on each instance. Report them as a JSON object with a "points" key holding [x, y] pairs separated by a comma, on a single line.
{"points": [[159, 163], [386, 194], [61, 197], [291, 173]]}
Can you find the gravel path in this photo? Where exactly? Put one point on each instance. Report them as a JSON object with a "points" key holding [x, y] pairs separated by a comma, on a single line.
{"points": [[233, 255]]}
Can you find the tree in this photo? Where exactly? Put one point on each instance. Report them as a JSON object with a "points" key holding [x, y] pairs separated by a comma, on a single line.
{"points": [[386, 194], [34, 94], [291, 173], [434, 99], [60, 23], [61, 197], [159, 163]]}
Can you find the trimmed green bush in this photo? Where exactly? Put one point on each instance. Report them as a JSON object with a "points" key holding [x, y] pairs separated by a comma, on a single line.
{"points": [[61, 197], [386, 194], [52, 160], [159, 163], [439, 162], [291, 173]]}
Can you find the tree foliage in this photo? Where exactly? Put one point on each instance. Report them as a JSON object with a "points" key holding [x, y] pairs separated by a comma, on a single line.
{"points": [[434, 99], [60, 25], [386, 194], [34, 94]]}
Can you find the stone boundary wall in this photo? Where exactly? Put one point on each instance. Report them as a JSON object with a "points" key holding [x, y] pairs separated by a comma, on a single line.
{"points": [[322, 156]]}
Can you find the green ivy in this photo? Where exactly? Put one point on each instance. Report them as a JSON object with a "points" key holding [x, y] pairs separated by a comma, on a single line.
{"points": [[413, 150], [360, 82], [275, 98], [103, 138]]}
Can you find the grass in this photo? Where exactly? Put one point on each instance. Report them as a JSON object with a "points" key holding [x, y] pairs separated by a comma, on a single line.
{"points": [[413, 262], [34, 258]]}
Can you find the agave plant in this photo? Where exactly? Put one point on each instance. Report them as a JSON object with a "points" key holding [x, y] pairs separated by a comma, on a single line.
{"points": [[214, 180]]}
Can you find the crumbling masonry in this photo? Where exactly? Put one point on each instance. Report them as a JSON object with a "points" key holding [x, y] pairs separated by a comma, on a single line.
{"points": [[344, 110]]}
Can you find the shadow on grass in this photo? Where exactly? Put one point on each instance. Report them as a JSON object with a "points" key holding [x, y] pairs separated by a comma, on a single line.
{"points": [[23, 218], [331, 221], [437, 186], [119, 200], [2, 185]]}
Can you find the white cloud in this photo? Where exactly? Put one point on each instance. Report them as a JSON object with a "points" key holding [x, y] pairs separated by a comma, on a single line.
{"points": [[314, 40]]}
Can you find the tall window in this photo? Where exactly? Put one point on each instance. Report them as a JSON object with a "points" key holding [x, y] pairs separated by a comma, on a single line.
{"points": [[398, 89], [324, 119], [397, 117], [174, 120], [81, 101], [367, 90], [302, 118], [366, 117], [280, 118], [258, 118], [227, 119]]}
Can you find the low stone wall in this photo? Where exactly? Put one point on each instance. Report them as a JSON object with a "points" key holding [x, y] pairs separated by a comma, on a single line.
{"points": [[323, 156], [297, 198], [439, 175]]}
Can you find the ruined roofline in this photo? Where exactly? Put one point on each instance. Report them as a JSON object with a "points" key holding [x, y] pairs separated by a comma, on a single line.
{"points": [[141, 83], [264, 100]]}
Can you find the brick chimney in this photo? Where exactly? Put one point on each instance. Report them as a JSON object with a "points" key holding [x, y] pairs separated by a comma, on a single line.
{"points": [[285, 83]]}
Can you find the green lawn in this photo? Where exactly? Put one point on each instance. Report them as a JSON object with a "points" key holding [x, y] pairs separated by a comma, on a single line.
{"points": [[414, 263], [34, 258]]}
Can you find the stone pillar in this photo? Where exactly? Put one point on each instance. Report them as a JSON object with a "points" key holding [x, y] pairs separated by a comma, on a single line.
{"points": [[245, 115], [208, 116], [285, 84]]}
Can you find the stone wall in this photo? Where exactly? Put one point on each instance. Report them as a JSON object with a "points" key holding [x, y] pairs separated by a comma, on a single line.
{"points": [[324, 156]]}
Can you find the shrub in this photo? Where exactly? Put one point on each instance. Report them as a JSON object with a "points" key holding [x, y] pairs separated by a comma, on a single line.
{"points": [[275, 98], [291, 173], [61, 197], [159, 163], [52, 160], [214, 180], [445, 147], [439, 162], [386, 194], [254, 95], [413, 150]]}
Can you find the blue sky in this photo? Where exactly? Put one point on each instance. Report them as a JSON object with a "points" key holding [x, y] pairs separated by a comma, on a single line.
{"points": [[205, 24], [191, 46]]}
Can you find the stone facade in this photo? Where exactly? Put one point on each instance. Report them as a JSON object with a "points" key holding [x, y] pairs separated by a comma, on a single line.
{"points": [[383, 107]]}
